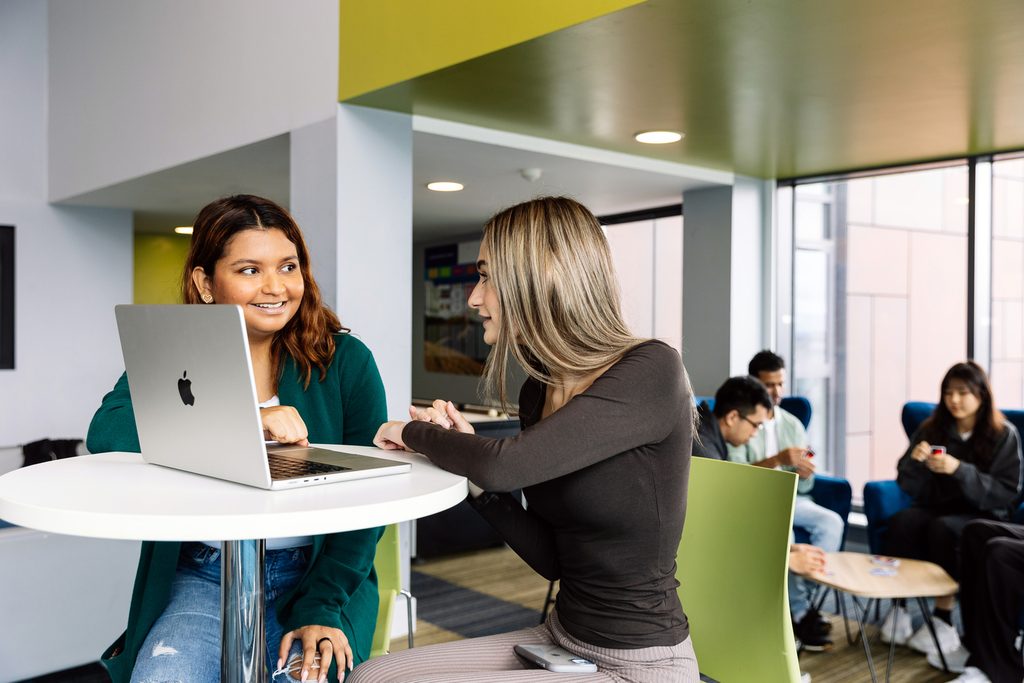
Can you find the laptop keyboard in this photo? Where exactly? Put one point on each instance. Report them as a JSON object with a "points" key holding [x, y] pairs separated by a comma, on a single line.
{"points": [[282, 467]]}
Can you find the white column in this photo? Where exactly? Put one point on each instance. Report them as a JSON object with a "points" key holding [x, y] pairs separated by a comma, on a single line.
{"points": [[747, 264], [351, 192], [374, 278], [723, 280], [313, 178]]}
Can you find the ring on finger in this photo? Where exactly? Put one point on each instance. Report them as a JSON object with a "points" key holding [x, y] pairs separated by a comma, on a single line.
{"points": [[322, 640]]}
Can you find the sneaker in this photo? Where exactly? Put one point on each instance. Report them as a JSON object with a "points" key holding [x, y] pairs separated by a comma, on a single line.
{"points": [[956, 660], [817, 622], [904, 627], [972, 674], [809, 638], [805, 677], [949, 639]]}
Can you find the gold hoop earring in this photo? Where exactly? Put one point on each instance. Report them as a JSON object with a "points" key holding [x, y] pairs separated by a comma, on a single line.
{"points": [[207, 298]]}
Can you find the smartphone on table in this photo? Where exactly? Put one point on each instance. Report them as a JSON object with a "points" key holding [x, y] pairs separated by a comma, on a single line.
{"points": [[554, 659]]}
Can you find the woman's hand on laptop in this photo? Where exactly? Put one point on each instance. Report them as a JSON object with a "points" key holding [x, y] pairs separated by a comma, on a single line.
{"points": [[283, 424]]}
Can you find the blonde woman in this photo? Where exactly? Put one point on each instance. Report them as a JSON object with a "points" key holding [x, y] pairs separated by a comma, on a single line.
{"points": [[603, 458]]}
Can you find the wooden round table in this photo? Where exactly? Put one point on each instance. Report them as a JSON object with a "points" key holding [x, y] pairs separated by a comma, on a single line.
{"points": [[858, 574]]}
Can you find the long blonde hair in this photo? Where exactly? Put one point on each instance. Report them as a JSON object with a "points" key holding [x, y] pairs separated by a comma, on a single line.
{"points": [[559, 299]]}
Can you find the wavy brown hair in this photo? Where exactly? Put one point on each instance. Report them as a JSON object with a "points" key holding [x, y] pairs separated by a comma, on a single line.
{"points": [[557, 292], [308, 336], [989, 425]]}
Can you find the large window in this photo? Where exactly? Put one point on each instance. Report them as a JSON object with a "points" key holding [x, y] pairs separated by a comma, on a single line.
{"points": [[817, 221], [879, 305], [1007, 346]]}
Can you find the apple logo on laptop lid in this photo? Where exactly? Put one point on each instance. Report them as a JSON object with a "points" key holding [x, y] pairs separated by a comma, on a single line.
{"points": [[185, 390]]}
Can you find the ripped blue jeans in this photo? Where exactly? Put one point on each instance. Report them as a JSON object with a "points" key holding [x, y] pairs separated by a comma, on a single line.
{"points": [[184, 643]]}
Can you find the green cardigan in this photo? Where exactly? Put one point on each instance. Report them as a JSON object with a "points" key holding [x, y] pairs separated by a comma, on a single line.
{"points": [[339, 588]]}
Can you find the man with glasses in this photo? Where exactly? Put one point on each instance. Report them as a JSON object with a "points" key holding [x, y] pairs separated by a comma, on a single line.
{"points": [[783, 436], [742, 406]]}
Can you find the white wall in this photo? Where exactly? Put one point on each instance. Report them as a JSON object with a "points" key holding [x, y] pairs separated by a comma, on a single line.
{"points": [[648, 258], [71, 265], [137, 87], [22, 105]]}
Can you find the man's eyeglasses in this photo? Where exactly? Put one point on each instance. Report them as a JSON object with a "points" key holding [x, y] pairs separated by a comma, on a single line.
{"points": [[755, 425]]}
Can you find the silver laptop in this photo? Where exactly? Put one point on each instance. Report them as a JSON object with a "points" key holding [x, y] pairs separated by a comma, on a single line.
{"points": [[195, 402]]}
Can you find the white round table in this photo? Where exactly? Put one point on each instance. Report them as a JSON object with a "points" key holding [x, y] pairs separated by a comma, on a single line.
{"points": [[119, 496]]}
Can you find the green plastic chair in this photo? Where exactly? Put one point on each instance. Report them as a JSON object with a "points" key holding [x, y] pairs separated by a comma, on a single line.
{"points": [[732, 568], [388, 563]]}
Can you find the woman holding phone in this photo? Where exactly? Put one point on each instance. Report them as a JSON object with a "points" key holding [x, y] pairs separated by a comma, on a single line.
{"points": [[963, 463], [603, 459]]}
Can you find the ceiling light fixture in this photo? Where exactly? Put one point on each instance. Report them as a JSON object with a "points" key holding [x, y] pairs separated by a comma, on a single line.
{"points": [[444, 186], [658, 137], [183, 230]]}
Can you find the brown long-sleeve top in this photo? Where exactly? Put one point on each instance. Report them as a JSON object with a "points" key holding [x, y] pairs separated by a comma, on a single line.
{"points": [[605, 478]]}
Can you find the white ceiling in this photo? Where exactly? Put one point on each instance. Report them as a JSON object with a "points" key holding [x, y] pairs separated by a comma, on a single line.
{"points": [[606, 182], [173, 197], [493, 180]]}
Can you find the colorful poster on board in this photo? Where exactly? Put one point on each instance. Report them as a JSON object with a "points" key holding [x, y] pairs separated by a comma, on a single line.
{"points": [[453, 335]]}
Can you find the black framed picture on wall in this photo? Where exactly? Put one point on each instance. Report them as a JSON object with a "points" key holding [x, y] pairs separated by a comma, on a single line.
{"points": [[6, 297]]}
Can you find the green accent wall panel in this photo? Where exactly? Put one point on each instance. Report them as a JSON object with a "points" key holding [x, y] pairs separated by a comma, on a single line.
{"points": [[158, 263]]}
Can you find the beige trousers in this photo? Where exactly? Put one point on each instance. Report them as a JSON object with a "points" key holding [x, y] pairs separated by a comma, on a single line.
{"points": [[489, 659]]}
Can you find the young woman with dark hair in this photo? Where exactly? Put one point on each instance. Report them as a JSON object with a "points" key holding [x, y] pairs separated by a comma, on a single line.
{"points": [[603, 459], [314, 382], [963, 463]]}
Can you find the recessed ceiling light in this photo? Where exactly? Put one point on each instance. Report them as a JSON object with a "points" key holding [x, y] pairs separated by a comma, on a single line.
{"points": [[183, 230], [658, 137], [444, 186]]}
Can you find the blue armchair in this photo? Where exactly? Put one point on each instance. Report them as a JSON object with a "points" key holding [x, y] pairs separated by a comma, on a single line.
{"points": [[883, 499], [829, 492]]}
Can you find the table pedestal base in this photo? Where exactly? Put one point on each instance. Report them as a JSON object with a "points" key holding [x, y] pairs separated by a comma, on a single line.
{"points": [[243, 631]]}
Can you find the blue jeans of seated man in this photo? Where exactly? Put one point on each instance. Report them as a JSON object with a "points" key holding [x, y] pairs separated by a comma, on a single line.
{"points": [[825, 528], [184, 643]]}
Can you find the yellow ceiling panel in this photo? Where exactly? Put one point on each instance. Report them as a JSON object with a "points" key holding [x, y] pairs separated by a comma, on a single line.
{"points": [[384, 42], [769, 88]]}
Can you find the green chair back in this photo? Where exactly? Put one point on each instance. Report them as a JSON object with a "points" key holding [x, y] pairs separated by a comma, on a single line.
{"points": [[389, 583], [732, 568]]}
